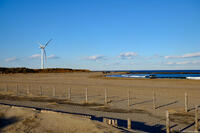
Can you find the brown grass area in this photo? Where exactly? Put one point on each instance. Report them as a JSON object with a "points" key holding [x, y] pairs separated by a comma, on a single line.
{"points": [[51, 101]]}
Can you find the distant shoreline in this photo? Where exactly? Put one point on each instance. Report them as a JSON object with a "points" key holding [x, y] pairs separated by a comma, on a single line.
{"points": [[154, 71], [5, 70]]}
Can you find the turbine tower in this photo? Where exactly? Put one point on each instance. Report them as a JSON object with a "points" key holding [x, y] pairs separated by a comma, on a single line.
{"points": [[43, 53]]}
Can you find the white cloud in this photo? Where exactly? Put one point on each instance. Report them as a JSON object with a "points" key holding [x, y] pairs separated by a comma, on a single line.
{"points": [[11, 59], [169, 63], [127, 55], [190, 55], [35, 56], [95, 57], [196, 62], [183, 62], [167, 57], [52, 57]]}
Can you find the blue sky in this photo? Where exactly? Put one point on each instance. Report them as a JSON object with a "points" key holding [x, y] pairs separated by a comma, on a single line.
{"points": [[101, 34]]}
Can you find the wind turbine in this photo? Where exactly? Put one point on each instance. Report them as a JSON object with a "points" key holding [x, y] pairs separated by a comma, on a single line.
{"points": [[43, 53]]}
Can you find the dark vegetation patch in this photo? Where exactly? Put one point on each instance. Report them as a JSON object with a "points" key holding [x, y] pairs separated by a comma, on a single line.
{"points": [[114, 110], [35, 99], [89, 104], [4, 70], [117, 110], [45, 99]]}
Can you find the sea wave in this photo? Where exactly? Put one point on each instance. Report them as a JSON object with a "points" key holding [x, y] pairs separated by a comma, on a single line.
{"points": [[132, 76], [125, 75], [135, 76], [195, 78]]}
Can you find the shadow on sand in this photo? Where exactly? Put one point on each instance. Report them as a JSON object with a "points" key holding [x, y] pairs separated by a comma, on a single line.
{"points": [[7, 121], [135, 125], [147, 101], [188, 126], [166, 104], [192, 108], [121, 100]]}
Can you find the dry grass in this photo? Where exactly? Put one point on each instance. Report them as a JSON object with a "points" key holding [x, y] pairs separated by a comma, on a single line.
{"points": [[50, 101]]}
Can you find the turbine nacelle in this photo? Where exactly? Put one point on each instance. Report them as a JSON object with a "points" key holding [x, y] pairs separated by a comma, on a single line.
{"points": [[42, 47]]}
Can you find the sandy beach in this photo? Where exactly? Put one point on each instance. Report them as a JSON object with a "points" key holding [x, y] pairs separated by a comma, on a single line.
{"points": [[169, 95]]}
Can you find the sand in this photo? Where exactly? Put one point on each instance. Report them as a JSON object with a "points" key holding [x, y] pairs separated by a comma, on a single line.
{"points": [[169, 94], [23, 120]]}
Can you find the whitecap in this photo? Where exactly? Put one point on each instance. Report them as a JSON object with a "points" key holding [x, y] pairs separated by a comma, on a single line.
{"points": [[195, 78]]}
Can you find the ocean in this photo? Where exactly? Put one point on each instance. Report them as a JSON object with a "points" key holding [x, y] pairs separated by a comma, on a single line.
{"points": [[170, 74]]}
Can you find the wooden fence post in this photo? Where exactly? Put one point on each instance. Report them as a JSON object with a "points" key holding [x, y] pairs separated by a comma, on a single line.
{"points": [[167, 122], [17, 90], [116, 123], [41, 91], [66, 93], [154, 99], [186, 102], [129, 123], [6, 87], [196, 129], [69, 93], [105, 100], [54, 91], [28, 90], [104, 120], [128, 98], [86, 95], [113, 122], [109, 121]]}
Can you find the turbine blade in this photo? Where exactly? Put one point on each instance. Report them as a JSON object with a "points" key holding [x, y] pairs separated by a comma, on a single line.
{"points": [[40, 44], [47, 42], [45, 56]]}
